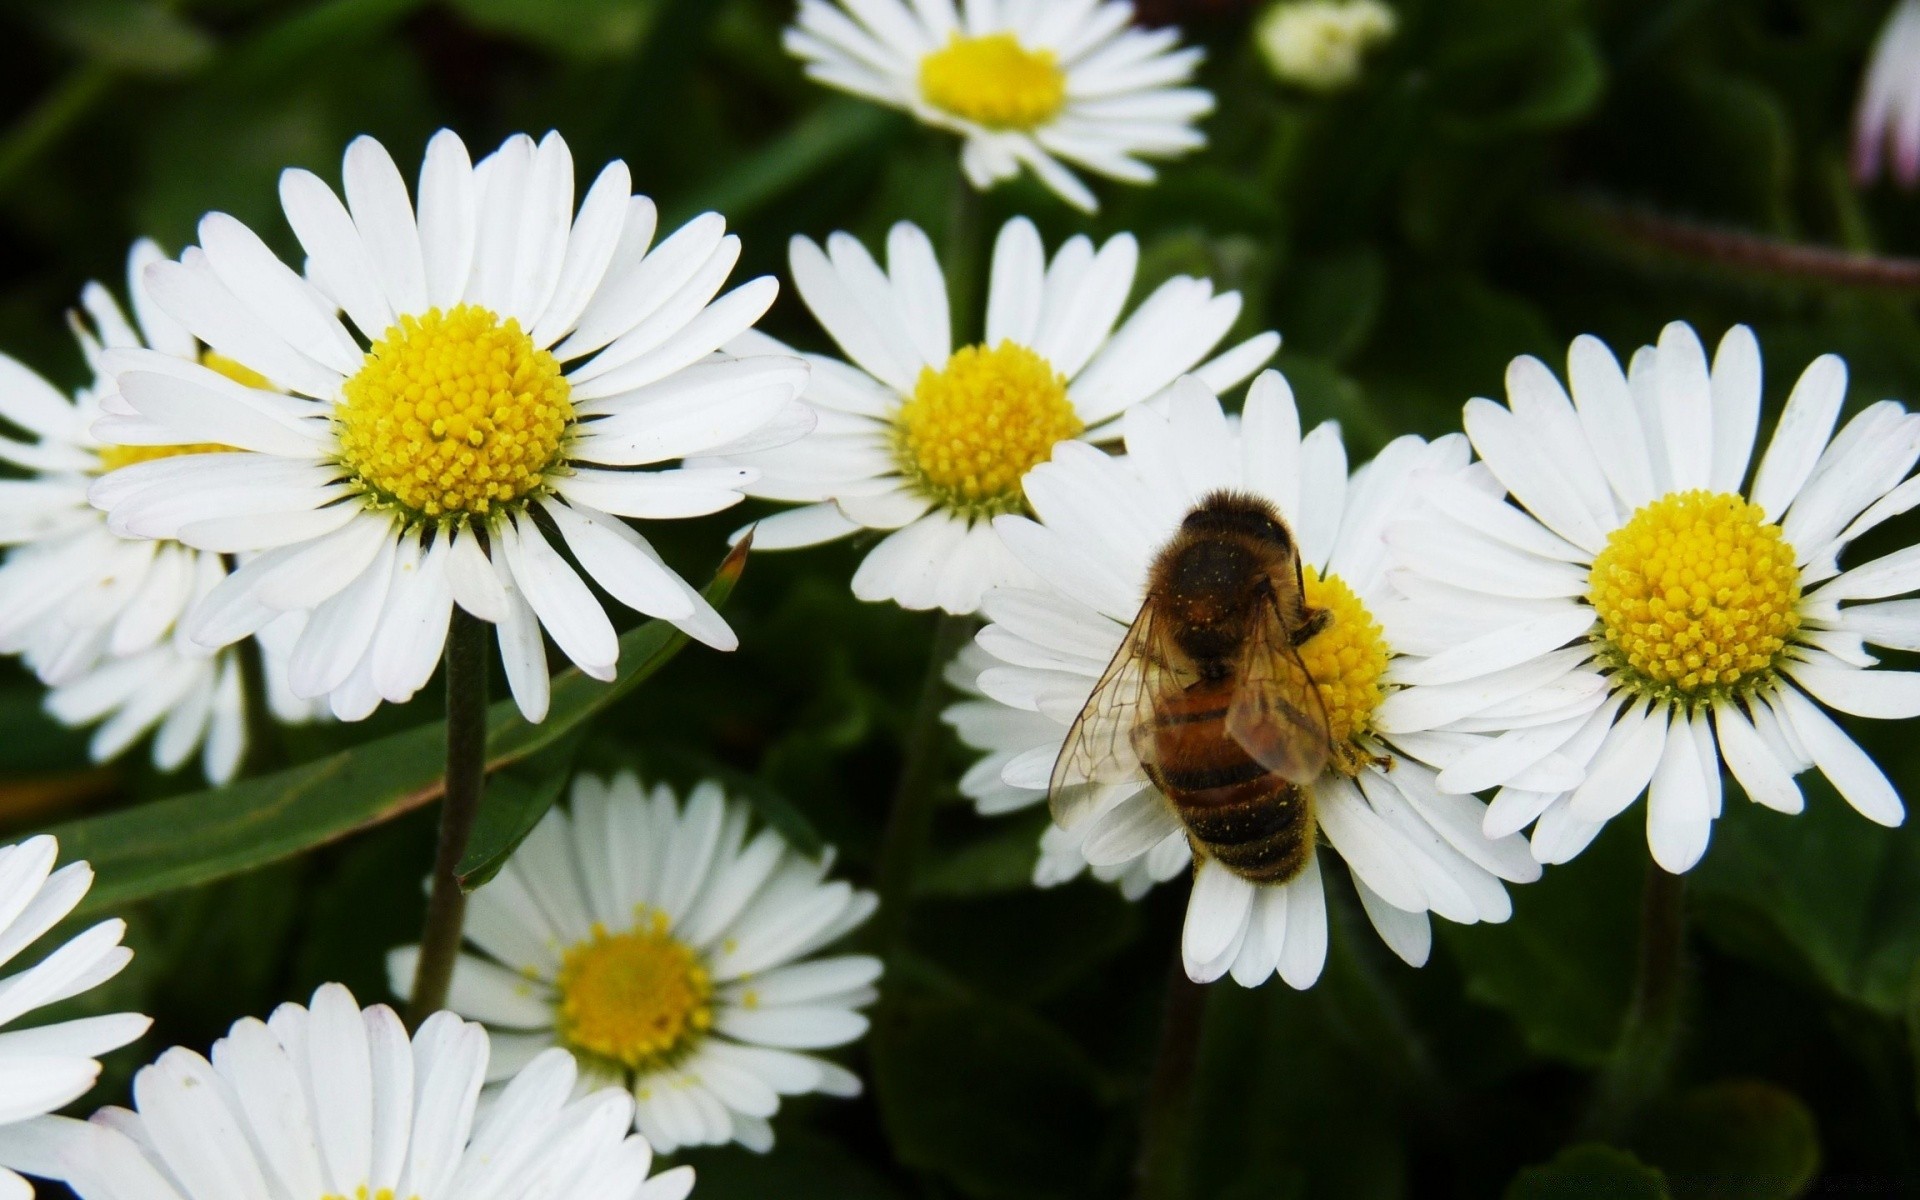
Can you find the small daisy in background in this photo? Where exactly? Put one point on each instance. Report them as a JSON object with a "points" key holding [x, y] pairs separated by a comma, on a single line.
{"points": [[1099, 523], [46, 1068], [1887, 116], [1321, 44], [1024, 84], [98, 616], [1668, 609], [930, 443], [517, 361], [333, 1101], [673, 955]]}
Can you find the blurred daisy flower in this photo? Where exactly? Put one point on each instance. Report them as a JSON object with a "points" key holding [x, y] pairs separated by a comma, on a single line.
{"points": [[1887, 117], [1320, 44], [516, 362], [337, 1101], [1686, 612], [1099, 523], [98, 615], [930, 443], [1024, 83], [51, 1066], [672, 955]]}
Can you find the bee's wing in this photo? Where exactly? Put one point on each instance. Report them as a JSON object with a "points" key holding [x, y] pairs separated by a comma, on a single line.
{"points": [[1102, 747], [1276, 714]]}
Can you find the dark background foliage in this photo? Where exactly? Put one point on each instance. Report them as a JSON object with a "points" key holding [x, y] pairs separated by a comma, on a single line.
{"points": [[1482, 194]]}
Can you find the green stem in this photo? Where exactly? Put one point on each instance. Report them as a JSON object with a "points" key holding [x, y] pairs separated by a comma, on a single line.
{"points": [[963, 260], [1749, 253], [1165, 1118], [466, 658], [911, 818], [1644, 1054]]}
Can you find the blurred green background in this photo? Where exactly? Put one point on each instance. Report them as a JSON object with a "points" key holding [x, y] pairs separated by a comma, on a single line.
{"points": [[1475, 197]]}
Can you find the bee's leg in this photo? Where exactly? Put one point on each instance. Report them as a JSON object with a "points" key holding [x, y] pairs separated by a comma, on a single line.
{"points": [[1312, 621]]}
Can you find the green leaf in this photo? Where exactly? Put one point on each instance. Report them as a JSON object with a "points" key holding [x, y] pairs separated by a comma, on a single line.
{"points": [[1000, 861], [967, 1087], [517, 796], [1560, 968], [1065, 933], [328, 27], [1740, 1139], [1587, 1171], [801, 1166], [591, 29], [1546, 87], [209, 835], [1825, 895], [827, 135], [139, 36]]}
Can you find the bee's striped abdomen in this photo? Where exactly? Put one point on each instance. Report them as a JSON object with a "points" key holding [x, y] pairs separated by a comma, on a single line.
{"points": [[1255, 823]]}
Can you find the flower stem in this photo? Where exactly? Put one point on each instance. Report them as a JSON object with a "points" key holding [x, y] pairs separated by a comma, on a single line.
{"points": [[1641, 1059], [1738, 250], [1165, 1119], [911, 818], [963, 260], [466, 658]]}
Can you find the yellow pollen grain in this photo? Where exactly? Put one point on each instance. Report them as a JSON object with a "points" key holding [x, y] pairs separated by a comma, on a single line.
{"points": [[1697, 595], [972, 430], [638, 998], [994, 81], [454, 412], [1346, 660]]}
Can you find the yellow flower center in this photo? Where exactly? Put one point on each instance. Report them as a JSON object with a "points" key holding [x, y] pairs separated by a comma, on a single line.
{"points": [[112, 458], [638, 998], [972, 430], [1697, 597], [364, 1193], [994, 81], [454, 413], [1346, 661]]}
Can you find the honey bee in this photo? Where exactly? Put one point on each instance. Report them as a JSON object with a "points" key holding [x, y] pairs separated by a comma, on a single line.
{"points": [[1208, 695]]}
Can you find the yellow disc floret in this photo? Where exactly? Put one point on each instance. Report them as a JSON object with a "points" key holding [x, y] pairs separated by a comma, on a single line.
{"points": [[1697, 597], [454, 413], [994, 81], [639, 998], [972, 430], [1346, 661]]}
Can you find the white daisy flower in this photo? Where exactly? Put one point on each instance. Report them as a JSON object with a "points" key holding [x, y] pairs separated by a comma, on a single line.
{"points": [[1100, 521], [930, 443], [1321, 44], [672, 955], [337, 1101], [97, 615], [50, 1066], [1887, 117], [1033, 83], [1705, 604], [441, 465]]}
